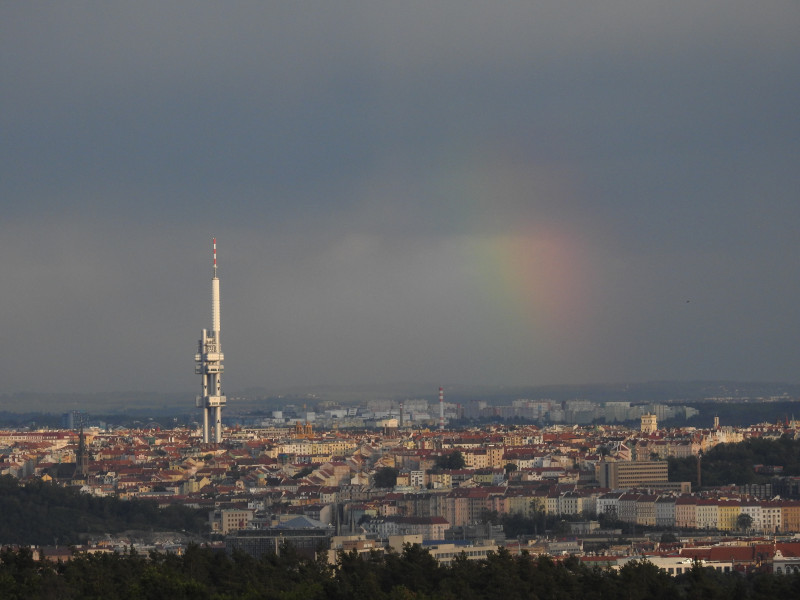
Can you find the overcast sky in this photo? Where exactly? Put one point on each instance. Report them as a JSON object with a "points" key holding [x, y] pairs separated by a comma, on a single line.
{"points": [[446, 192]]}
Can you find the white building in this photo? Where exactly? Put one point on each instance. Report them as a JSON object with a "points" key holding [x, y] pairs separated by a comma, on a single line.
{"points": [[665, 511]]}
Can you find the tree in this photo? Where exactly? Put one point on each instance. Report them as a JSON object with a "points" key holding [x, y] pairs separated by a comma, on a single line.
{"points": [[38, 512], [643, 580], [609, 517], [562, 528], [744, 522], [453, 461], [489, 516], [538, 514], [735, 463], [385, 477], [303, 472], [509, 469]]}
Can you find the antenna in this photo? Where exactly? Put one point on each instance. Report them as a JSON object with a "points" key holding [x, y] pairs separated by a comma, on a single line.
{"points": [[441, 408], [215, 257], [209, 365]]}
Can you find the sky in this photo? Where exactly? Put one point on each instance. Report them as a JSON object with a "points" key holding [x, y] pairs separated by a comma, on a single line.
{"points": [[498, 193]]}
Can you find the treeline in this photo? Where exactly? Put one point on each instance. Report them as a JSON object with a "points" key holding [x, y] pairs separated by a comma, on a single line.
{"points": [[203, 574], [735, 463], [41, 513], [739, 414]]}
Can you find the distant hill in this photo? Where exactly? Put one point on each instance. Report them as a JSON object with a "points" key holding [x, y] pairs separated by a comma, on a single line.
{"points": [[153, 404], [130, 403]]}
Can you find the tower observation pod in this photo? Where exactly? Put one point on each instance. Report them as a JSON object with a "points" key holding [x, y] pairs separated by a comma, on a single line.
{"points": [[208, 364]]}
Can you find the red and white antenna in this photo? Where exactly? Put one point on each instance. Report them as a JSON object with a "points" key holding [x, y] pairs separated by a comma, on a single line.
{"points": [[441, 407], [215, 257]]}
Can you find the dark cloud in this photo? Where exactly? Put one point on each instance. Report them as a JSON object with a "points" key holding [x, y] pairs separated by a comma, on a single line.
{"points": [[509, 192]]}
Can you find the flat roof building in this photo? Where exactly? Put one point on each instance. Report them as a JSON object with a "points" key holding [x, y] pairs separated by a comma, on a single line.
{"points": [[634, 474]]}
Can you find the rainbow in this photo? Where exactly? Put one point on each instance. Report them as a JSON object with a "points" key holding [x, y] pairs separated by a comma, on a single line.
{"points": [[536, 281], [528, 258]]}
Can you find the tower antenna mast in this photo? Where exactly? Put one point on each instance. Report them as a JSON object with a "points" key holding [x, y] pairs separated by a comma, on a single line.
{"points": [[209, 365]]}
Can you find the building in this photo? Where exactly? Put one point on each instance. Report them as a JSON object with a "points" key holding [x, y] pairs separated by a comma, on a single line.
{"points": [[665, 511], [646, 510], [649, 424], [673, 565], [686, 512], [728, 511], [226, 520], [306, 536], [790, 515], [444, 553], [608, 505], [771, 515], [430, 528], [358, 543], [633, 474], [707, 514]]}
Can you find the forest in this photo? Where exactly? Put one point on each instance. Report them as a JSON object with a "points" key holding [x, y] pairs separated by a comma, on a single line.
{"points": [[736, 463], [40, 513], [203, 574]]}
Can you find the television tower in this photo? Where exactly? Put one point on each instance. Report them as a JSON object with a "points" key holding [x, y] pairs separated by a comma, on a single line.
{"points": [[208, 364]]}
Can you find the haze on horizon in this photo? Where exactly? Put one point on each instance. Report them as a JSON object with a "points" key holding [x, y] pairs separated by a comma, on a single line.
{"points": [[481, 193]]}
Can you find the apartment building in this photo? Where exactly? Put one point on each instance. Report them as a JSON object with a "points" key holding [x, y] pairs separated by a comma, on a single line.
{"points": [[631, 474]]}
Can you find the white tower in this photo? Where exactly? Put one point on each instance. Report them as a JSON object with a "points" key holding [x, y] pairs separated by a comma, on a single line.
{"points": [[208, 364]]}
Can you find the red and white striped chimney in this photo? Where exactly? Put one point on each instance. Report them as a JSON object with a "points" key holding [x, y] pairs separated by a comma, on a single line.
{"points": [[441, 408]]}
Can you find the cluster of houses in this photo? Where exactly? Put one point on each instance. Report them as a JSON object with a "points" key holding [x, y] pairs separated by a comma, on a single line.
{"points": [[291, 480]]}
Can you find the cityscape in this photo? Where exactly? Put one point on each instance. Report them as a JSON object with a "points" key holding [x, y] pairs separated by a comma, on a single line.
{"points": [[606, 492], [503, 301], [574, 478]]}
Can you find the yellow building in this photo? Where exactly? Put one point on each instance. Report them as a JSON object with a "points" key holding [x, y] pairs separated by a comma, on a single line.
{"points": [[475, 459], [226, 520], [727, 515], [649, 424], [494, 453], [790, 515], [484, 478]]}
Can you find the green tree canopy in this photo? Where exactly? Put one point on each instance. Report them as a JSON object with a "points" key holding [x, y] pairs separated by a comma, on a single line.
{"points": [[453, 461], [736, 464], [39, 512], [744, 522], [385, 477], [204, 574]]}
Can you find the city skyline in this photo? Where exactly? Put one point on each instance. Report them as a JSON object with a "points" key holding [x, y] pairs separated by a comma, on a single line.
{"points": [[506, 194]]}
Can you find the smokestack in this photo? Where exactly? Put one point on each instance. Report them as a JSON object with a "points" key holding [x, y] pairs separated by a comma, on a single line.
{"points": [[441, 408]]}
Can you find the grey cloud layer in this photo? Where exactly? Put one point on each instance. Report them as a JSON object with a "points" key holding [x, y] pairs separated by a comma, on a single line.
{"points": [[351, 156]]}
